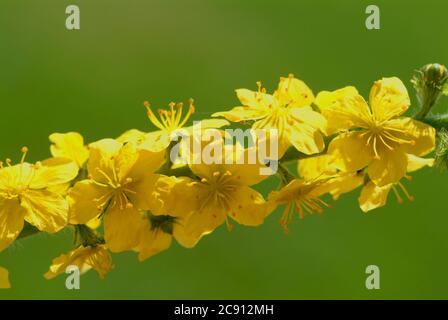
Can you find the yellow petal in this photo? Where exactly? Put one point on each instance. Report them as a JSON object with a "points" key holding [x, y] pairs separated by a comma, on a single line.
{"points": [[245, 113], [46, 210], [245, 166], [143, 190], [304, 130], [147, 162], [256, 105], [94, 223], [133, 135], [316, 167], [373, 196], [199, 224], [11, 221], [176, 196], [289, 192], [306, 116], [344, 183], [247, 207], [156, 141], [12, 177], [348, 112], [85, 258], [388, 98], [331, 99], [294, 92], [100, 260], [87, 200], [255, 99], [125, 159], [122, 228], [390, 168], [416, 163], [152, 242], [208, 124], [350, 151], [305, 141], [101, 160], [4, 279], [69, 145], [420, 136], [248, 97], [53, 172]]}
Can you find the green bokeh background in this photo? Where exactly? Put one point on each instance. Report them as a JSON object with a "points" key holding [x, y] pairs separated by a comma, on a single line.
{"points": [[94, 81]]}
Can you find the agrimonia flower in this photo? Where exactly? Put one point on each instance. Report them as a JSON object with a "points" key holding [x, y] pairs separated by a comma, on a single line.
{"points": [[288, 110], [121, 181], [145, 202], [26, 195], [85, 258], [220, 191], [169, 123], [377, 137]]}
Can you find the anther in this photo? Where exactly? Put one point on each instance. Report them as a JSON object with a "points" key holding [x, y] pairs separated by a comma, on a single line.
{"points": [[191, 103]]}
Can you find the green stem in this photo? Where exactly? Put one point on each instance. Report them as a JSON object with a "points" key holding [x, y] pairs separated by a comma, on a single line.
{"points": [[284, 174]]}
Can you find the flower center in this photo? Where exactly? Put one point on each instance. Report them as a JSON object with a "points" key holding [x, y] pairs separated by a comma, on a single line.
{"points": [[17, 183], [380, 136], [302, 202], [172, 119], [220, 186], [118, 191]]}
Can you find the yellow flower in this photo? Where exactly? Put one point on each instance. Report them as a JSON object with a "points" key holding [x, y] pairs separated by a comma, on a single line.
{"points": [[323, 168], [221, 190], [156, 235], [338, 182], [121, 184], [166, 220], [376, 137], [373, 196], [69, 145], [4, 279], [300, 196], [170, 122], [26, 195], [85, 258], [288, 110]]}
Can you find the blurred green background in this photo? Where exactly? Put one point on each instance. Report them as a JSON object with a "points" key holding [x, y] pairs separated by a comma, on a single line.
{"points": [[94, 81]]}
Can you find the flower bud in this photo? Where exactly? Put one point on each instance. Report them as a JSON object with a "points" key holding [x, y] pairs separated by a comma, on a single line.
{"points": [[441, 156], [429, 82]]}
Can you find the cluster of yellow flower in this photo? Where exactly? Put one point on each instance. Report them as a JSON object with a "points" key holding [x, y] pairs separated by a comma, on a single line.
{"points": [[125, 194]]}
